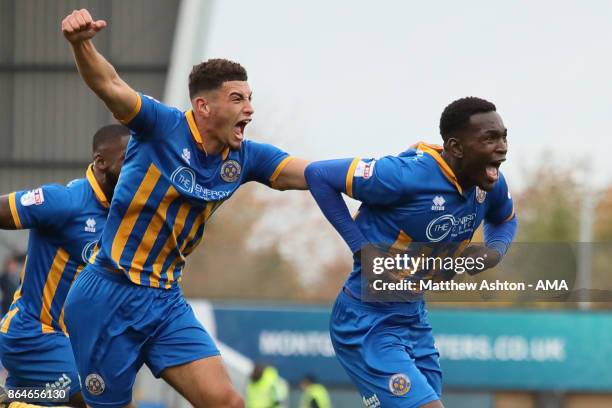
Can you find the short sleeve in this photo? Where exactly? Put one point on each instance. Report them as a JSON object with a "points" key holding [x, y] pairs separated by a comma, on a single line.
{"points": [[149, 117], [264, 162], [500, 207], [382, 181], [46, 206]]}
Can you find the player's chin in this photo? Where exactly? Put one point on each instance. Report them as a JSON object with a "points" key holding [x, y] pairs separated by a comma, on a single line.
{"points": [[235, 142], [486, 185]]}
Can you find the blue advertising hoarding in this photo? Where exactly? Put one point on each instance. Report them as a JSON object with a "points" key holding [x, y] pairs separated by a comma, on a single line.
{"points": [[523, 350]]}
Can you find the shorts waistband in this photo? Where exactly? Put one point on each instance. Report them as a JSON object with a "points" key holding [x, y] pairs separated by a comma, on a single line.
{"points": [[108, 274], [346, 296]]}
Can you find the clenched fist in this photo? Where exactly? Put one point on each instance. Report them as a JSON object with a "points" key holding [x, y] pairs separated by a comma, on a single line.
{"points": [[80, 26]]}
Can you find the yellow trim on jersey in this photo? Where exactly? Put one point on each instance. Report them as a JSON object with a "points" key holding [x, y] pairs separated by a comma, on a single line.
{"points": [[6, 322], [171, 242], [190, 116], [17, 294], [349, 176], [94, 254], [133, 113], [99, 193], [53, 279], [434, 151], [280, 168], [170, 274], [12, 199], [402, 242], [150, 236], [197, 223], [131, 215], [7, 319], [61, 318], [508, 218], [225, 153]]}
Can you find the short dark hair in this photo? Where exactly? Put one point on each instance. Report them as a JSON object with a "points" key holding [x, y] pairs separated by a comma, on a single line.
{"points": [[108, 134], [457, 114], [211, 74]]}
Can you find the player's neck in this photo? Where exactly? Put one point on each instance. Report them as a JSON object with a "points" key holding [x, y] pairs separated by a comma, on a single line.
{"points": [[210, 143], [455, 166], [101, 179]]}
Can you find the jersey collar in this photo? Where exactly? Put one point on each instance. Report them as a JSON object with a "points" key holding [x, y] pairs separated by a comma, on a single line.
{"points": [[96, 187], [434, 151], [198, 137]]}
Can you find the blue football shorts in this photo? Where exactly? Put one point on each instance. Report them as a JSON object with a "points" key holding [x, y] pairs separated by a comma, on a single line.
{"points": [[387, 350], [116, 326]]}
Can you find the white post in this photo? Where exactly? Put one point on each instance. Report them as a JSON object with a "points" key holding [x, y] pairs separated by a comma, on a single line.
{"points": [[583, 277]]}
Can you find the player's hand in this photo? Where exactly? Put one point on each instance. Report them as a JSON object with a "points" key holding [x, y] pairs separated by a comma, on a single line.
{"points": [[487, 256], [80, 26]]}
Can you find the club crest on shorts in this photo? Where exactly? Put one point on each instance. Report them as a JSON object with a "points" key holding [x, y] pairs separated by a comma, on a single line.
{"points": [[480, 195], [230, 171], [399, 384], [94, 384]]}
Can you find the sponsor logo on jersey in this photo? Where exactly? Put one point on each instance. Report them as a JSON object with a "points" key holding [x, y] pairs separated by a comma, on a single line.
{"points": [[88, 251], [447, 224], [365, 170], [185, 179], [32, 197]]}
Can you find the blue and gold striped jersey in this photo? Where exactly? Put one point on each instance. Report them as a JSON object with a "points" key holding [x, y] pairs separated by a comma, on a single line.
{"points": [[65, 223], [414, 202], [168, 189]]}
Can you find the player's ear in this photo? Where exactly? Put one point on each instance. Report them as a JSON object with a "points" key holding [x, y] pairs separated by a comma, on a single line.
{"points": [[99, 162], [201, 106], [454, 146]]}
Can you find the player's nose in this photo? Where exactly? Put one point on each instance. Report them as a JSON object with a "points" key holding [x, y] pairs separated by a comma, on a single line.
{"points": [[248, 108], [501, 147]]}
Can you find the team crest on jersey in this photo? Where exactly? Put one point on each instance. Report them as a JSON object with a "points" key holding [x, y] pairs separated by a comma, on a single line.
{"points": [[32, 197], [438, 203], [480, 195], [230, 171], [94, 384], [399, 384]]}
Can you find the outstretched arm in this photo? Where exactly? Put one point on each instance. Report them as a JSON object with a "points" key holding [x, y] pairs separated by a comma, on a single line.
{"points": [[291, 176], [327, 181], [79, 28]]}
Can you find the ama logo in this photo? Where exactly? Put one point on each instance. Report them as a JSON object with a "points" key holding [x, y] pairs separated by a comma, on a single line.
{"points": [[184, 178]]}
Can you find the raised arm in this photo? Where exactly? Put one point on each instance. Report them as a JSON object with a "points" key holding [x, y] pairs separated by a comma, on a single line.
{"points": [[79, 28]]}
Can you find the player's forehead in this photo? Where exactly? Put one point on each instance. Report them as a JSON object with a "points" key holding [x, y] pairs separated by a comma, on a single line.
{"points": [[238, 87], [487, 122]]}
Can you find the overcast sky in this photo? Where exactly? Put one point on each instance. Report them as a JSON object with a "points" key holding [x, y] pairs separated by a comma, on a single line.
{"points": [[344, 78]]}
